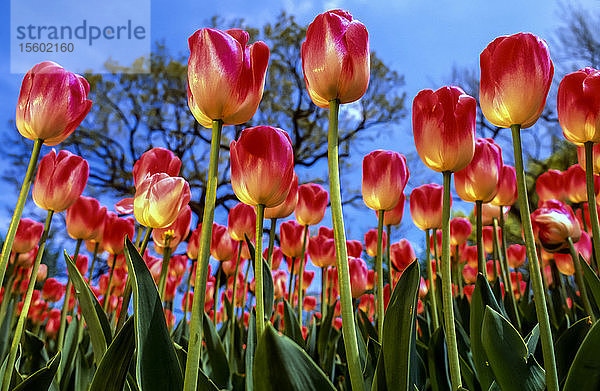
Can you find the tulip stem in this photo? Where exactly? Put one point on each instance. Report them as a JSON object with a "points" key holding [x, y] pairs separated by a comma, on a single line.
{"points": [[216, 292], [534, 265], [348, 329], [387, 252], [501, 250], [481, 268], [271, 242], [591, 193], [580, 281], [26, 304], [432, 286], [94, 258], [323, 289], [14, 222], [195, 340], [301, 275], [447, 305], [164, 268], [63, 312], [187, 293], [258, 273], [379, 278], [232, 306], [108, 290], [291, 282]]}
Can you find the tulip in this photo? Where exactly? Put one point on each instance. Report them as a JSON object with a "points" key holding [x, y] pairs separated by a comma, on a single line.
{"points": [[52, 103], [516, 73], [554, 223], [193, 243], [242, 222], [262, 166], [336, 58], [291, 234], [41, 274], [312, 202], [321, 250], [172, 235], [551, 186], [516, 255], [385, 175], [60, 180], [226, 76], [354, 248], [222, 246], [469, 274], [595, 160], [154, 161], [402, 254], [53, 323], [28, 235], [460, 230], [426, 206], [279, 287], [85, 219], [490, 212], [444, 128], [309, 303], [371, 242], [583, 247], [358, 276], [53, 290], [507, 187], [159, 199], [480, 179], [115, 231], [276, 257], [394, 216], [575, 185]]}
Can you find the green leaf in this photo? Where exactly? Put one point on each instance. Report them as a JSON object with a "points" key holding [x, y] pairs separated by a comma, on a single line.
{"points": [[281, 365], [324, 334], [217, 365], [564, 346], [66, 367], [157, 367], [437, 360], [268, 293], [292, 327], [399, 330], [584, 374], [591, 281], [512, 364], [250, 350], [112, 371], [532, 339], [95, 318], [41, 379], [34, 355]]}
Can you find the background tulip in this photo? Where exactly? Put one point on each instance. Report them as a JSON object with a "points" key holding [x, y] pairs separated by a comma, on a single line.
{"points": [[460, 230], [336, 58], [596, 157], [371, 242], [553, 222], [575, 184], [507, 187], [154, 161], [578, 105], [28, 235], [288, 206], [85, 219], [354, 248], [321, 250], [385, 175], [402, 254], [60, 180], [480, 179], [551, 186], [516, 254], [172, 235], [241, 222], [394, 216], [358, 276], [115, 230], [291, 234], [222, 246], [426, 206], [516, 73], [312, 203], [159, 199]]}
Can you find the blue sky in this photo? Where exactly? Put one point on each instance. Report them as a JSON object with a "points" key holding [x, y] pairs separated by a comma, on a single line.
{"points": [[420, 40]]}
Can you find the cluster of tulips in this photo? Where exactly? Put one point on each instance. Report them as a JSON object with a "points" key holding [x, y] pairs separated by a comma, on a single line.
{"points": [[459, 326]]}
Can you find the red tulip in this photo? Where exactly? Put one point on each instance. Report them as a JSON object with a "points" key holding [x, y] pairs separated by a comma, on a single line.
{"points": [[553, 223], [52, 103], [515, 255], [225, 76], [159, 199], [479, 181], [229, 265], [371, 279], [489, 267], [575, 184], [154, 161], [60, 180], [578, 105], [53, 323], [241, 222], [469, 254], [402, 254], [309, 303], [28, 235], [321, 250], [85, 219], [518, 284], [358, 276], [222, 246], [336, 58], [262, 166], [173, 234], [367, 305], [286, 208], [41, 274], [394, 216], [371, 242], [426, 206], [596, 153], [444, 128], [193, 243], [516, 73], [468, 291], [291, 235], [53, 290], [551, 186], [507, 187], [312, 202], [488, 238], [354, 248], [490, 212], [385, 175], [115, 230], [280, 278], [469, 274], [276, 257], [460, 230], [81, 263], [583, 247]]}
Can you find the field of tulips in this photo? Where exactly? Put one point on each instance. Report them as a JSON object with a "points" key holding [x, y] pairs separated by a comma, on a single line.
{"points": [[477, 313]]}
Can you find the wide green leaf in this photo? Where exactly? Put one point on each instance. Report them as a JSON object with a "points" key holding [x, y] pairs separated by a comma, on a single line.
{"points": [[157, 367], [281, 365], [591, 282], [40, 380], [95, 318], [217, 363], [563, 347], [514, 367], [437, 360], [584, 374], [112, 371], [399, 330], [292, 327]]}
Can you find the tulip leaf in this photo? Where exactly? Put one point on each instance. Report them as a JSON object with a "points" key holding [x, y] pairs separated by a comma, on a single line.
{"points": [[250, 350], [584, 374], [41, 379], [514, 367], [218, 365], [280, 364], [112, 371], [292, 327], [268, 292], [65, 369], [437, 360], [97, 323], [591, 281], [34, 355], [563, 347], [157, 367], [399, 330]]}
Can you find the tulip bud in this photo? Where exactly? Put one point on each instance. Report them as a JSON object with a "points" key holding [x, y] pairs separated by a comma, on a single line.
{"points": [[226, 76], [194, 243], [115, 230], [480, 179], [28, 235], [583, 247], [242, 222], [354, 248], [287, 207], [444, 128], [53, 290], [336, 58], [516, 73], [553, 223], [42, 273], [312, 202], [596, 158], [490, 212], [385, 175], [85, 219], [469, 274], [515, 255], [426, 206], [159, 199], [575, 184], [578, 105], [222, 246], [358, 276], [52, 103], [60, 180], [276, 257], [402, 254], [507, 187], [469, 254], [488, 238], [172, 235], [321, 250], [154, 161], [394, 216], [551, 186], [460, 230], [262, 166], [292, 234], [371, 242]]}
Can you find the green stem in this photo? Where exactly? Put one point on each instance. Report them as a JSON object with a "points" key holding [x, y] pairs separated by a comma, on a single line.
{"points": [[481, 267], [216, 292], [323, 288], [14, 222], [444, 265], [291, 282], [591, 193], [432, 286], [349, 329], [94, 258], [580, 281], [387, 252], [108, 288], [65, 308], [379, 278], [301, 276], [435, 251], [138, 237], [534, 265], [271, 242], [245, 289], [195, 345], [504, 261], [26, 304], [233, 304], [258, 273], [187, 293], [459, 276], [164, 268]]}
